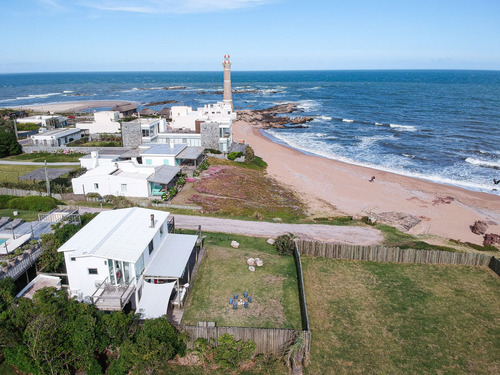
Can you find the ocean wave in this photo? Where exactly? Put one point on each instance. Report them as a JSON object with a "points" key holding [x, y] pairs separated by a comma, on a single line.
{"points": [[320, 135], [67, 92], [409, 128], [307, 105], [484, 163], [326, 118], [250, 101], [378, 123], [347, 120]]}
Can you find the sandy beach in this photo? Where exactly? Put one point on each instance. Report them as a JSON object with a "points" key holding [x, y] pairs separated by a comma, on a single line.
{"points": [[331, 187], [73, 106]]}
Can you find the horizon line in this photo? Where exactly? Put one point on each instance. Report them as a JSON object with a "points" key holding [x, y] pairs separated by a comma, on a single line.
{"points": [[254, 71]]}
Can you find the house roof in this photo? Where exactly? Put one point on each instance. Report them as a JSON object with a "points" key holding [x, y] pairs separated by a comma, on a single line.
{"points": [[171, 258], [190, 153], [58, 133], [39, 174], [164, 111], [164, 174], [147, 112], [164, 149], [119, 234], [124, 107]]}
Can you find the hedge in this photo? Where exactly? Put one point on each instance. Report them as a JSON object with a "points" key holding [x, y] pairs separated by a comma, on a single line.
{"points": [[33, 203]]}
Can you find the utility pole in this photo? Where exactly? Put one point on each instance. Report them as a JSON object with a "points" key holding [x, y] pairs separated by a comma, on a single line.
{"points": [[47, 179]]}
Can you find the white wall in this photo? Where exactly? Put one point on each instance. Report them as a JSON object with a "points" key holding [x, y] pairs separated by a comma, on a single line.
{"points": [[158, 160], [111, 185], [78, 276]]}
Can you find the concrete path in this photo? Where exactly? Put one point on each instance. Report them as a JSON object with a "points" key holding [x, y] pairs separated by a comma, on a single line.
{"points": [[326, 233], [8, 162]]}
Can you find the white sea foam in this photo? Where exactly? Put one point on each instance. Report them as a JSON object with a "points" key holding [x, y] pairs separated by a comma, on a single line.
{"points": [[378, 124], [250, 101], [326, 118], [484, 163], [67, 91], [409, 156], [347, 120], [320, 135], [408, 128], [307, 105]]}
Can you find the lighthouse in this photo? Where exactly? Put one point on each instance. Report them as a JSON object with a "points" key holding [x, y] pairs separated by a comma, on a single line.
{"points": [[228, 96]]}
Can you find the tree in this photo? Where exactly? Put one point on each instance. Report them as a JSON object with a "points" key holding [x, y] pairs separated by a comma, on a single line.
{"points": [[249, 155], [9, 145], [284, 244]]}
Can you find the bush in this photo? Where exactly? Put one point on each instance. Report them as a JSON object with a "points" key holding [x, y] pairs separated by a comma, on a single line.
{"points": [[284, 244], [229, 354], [33, 203], [212, 151], [204, 165], [5, 199], [234, 155], [249, 155]]}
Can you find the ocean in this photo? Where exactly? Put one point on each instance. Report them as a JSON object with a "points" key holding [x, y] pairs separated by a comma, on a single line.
{"points": [[442, 126]]}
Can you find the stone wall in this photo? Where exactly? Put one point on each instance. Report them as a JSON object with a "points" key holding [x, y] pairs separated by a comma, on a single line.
{"points": [[210, 135], [131, 134]]}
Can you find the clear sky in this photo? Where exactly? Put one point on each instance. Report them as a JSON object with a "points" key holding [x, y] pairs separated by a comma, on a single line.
{"points": [[164, 35]]}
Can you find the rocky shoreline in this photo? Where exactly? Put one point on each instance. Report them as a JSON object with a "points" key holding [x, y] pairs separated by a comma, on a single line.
{"points": [[274, 117]]}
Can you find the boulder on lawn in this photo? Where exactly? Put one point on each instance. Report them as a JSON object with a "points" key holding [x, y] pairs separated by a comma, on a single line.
{"points": [[235, 244], [491, 239], [251, 268], [251, 262], [270, 241], [259, 262]]}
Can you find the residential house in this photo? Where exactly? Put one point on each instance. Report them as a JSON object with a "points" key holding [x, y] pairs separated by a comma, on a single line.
{"points": [[55, 138], [127, 179], [125, 110], [45, 121], [146, 112], [104, 122], [130, 257]]}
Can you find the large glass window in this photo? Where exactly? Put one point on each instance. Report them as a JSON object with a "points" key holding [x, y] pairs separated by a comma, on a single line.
{"points": [[139, 266]]}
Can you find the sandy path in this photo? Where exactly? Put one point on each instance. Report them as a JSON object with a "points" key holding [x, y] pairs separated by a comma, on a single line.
{"points": [[332, 187], [320, 232]]}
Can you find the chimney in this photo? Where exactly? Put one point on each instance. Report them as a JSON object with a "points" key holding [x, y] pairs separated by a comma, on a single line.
{"points": [[152, 221]]}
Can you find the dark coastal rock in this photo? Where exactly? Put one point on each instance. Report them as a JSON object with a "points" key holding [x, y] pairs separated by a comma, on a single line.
{"points": [[479, 227], [160, 103], [491, 239], [174, 88], [402, 221], [301, 120]]}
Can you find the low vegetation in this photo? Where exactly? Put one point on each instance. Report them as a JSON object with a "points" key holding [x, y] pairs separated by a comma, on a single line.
{"points": [[383, 318], [229, 190], [224, 272], [49, 157]]}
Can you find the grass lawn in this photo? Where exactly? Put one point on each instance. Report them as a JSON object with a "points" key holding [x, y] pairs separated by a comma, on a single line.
{"points": [[22, 214], [381, 318], [224, 271], [10, 173], [47, 156]]}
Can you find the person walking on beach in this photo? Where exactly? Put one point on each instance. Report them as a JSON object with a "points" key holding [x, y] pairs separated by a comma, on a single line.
{"points": [[372, 179]]}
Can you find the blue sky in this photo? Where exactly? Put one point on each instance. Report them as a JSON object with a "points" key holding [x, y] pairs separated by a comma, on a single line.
{"points": [[122, 35]]}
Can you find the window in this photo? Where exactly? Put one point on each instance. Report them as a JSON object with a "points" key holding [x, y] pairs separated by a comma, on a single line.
{"points": [[151, 247], [92, 271], [145, 132], [165, 161], [96, 186], [124, 188], [73, 259], [149, 161]]}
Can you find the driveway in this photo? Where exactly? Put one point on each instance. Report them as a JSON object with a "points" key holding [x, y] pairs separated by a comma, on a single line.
{"points": [[320, 232]]}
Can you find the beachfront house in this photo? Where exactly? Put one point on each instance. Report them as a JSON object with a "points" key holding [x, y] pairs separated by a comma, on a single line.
{"points": [[104, 122], [55, 138], [130, 257], [125, 110]]}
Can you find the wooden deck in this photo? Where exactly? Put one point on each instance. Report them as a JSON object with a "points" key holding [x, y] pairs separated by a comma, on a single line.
{"points": [[113, 298]]}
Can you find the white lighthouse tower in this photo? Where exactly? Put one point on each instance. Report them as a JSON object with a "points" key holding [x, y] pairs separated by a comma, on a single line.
{"points": [[228, 96]]}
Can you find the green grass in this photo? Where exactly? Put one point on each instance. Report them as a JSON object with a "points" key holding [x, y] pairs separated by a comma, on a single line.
{"points": [[47, 156], [22, 214], [224, 271], [382, 318], [10, 173]]}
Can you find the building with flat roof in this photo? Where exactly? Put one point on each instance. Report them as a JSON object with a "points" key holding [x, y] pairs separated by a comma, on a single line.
{"points": [[130, 256], [55, 138]]}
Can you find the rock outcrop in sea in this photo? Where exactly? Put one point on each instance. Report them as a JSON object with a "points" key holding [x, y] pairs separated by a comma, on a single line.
{"points": [[274, 117]]}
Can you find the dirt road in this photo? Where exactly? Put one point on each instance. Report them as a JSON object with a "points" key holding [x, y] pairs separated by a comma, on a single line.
{"points": [[320, 232]]}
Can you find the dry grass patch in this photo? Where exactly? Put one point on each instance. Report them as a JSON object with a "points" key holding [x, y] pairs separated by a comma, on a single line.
{"points": [[381, 318], [224, 271], [237, 191]]}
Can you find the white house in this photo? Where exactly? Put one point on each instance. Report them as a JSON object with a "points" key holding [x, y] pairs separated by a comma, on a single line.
{"points": [[129, 256], [94, 159], [104, 122], [45, 121], [163, 154], [55, 138], [126, 178]]}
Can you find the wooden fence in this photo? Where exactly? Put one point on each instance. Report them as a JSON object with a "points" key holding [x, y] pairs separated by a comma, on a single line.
{"points": [[24, 193], [302, 293], [267, 340], [390, 254]]}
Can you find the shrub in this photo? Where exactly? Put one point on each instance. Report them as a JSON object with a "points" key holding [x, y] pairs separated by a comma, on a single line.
{"points": [[284, 244], [234, 155], [204, 165], [4, 200], [249, 155], [181, 181], [212, 151], [33, 203], [230, 353]]}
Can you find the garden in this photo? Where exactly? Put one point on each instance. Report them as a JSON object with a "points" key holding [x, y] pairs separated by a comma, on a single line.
{"points": [[385, 318], [224, 271]]}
